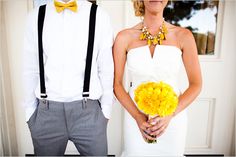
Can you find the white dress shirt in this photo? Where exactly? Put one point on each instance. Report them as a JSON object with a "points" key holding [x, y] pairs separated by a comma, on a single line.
{"points": [[65, 39]]}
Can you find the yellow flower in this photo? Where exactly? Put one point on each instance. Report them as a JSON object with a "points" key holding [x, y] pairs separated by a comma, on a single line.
{"points": [[149, 41], [156, 99], [162, 36], [142, 36], [165, 30], [155, 41]]}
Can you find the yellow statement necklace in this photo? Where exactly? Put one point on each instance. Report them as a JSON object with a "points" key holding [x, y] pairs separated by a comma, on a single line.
{"points": [[154, 39]]}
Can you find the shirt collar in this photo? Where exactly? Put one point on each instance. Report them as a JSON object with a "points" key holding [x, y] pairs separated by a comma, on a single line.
{"points": [[77, 1], [64, 2]]}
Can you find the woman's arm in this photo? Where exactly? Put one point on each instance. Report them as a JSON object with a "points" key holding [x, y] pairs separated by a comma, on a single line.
{"points": [[192, 67], [119, 54]]}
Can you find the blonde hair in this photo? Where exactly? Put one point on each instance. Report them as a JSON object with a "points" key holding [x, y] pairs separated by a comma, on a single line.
{"points": [[139, 7]]}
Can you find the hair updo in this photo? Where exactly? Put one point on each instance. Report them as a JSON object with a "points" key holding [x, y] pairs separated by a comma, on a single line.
{"points": [[139, 7]]}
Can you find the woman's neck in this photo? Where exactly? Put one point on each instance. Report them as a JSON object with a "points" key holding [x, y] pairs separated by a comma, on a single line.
{"points": [[153, 21]]}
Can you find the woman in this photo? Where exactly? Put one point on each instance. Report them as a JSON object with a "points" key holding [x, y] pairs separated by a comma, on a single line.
{"points": [[157, 57]]}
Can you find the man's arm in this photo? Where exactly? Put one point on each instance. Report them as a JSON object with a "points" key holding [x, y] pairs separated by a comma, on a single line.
{"points": [[30, 65], [106, 66]]}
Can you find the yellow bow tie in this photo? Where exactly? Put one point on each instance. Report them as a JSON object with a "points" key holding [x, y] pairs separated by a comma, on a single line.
{"points": [[61, 6]]}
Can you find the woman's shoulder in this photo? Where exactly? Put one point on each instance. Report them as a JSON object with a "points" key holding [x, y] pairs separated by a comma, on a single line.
{"points": [[124, 33], [122, 37], [182, 34], [179, 31], [185, 37], [127, 34]]}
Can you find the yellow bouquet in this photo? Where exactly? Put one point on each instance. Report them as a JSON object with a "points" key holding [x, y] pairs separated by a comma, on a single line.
{"points": [[156, 99]]}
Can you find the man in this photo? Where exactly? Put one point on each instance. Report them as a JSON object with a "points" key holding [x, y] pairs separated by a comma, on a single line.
{"points": [[67, 95]]}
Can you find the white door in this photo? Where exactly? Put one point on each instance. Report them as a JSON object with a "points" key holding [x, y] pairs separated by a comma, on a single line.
{"points": [[211, 115]]}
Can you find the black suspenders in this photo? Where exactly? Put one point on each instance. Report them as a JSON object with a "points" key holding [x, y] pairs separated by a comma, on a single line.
{"points": [[41, 16], [92, 22]]}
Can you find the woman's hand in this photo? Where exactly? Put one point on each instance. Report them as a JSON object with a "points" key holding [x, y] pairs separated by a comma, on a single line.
{"points": [[159, 125], [143, 125]]}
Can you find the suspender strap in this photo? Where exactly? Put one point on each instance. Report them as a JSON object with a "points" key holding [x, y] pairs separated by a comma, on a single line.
{"points": [[41, 16], [89, 57], [92, 23]]}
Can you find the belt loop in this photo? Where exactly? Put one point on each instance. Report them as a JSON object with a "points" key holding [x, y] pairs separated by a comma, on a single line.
{"points": [[84, 103], [46, 103]]}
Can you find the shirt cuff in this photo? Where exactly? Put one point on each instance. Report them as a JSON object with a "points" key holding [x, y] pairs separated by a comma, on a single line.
{"points": [[106, 110], [29, 112]]}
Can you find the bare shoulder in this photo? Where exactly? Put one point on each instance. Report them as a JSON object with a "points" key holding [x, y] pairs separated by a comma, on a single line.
{"points": [[183, 35], [125, 37], [124, 34], [127, 33], [179, 32], [122, 39]]}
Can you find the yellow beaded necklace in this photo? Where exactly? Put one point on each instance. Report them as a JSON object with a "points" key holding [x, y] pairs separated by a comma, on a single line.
{"points": [[154, 39]]}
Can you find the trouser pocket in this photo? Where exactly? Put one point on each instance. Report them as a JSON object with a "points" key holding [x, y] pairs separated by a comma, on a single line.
{"points": [[100, 110], [33, 117], [36, 118]]}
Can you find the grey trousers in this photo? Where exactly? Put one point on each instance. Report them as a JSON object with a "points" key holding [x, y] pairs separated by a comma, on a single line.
{"points": [[54, 123]]}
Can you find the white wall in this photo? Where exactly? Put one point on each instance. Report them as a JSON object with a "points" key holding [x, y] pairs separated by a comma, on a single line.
{"points": [[115, 9], [15, 14]]}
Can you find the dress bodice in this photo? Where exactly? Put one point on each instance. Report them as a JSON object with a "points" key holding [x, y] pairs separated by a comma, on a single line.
{"points": [[163, 66]]}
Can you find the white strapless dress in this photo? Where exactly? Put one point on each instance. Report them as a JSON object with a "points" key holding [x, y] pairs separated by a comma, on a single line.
{"points": [[163, 66]]}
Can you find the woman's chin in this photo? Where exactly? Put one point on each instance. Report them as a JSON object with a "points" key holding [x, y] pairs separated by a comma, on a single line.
{"points": [[155, 2], [156, 10], [155, 5]]}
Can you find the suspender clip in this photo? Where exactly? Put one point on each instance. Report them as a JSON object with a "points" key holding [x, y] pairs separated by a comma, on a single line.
{"points": [[84, 103], [43, 95], [85, 94]]}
